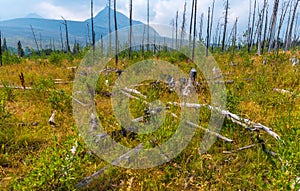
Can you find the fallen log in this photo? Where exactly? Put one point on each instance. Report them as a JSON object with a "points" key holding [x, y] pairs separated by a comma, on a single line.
{"points": [[16, 87], [233, 117], [239, 149], [204, 129], [86, 181]]}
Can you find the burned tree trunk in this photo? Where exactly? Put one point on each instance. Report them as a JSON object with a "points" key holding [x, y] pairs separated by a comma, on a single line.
{"points": [[109, 25], [265, 31], [130, 22], [289, 39], [234, 38], [201, 27], [225, 25], [183, 25], [207, 36], [61, 39], [173, 31], [287, 29], [252, 28], [67, 34], [191, 25], [92, 21], [249, 27], [41, 42], [1, 64], [273, 25], [176, 30], [36, 43], [195, 30], [116, 32], [215, 41], [148, 26], [261, 22], [211, 22], [282, 17]]}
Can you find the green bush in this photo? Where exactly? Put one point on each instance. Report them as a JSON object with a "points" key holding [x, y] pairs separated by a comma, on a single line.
{"points": [[59, 100], [43, 86], [10, 58], [55, 169], [56, 58]]}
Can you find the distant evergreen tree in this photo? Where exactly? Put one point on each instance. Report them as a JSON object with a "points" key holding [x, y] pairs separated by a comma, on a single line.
{"points": [[4, 48], [20, 50], [76, 48]]}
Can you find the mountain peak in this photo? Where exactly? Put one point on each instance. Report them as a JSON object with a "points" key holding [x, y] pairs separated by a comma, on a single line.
{"points": [[33, 16]]}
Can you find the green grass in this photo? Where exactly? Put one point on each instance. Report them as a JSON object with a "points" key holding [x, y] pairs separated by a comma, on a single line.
{"points": [[39, 157]]}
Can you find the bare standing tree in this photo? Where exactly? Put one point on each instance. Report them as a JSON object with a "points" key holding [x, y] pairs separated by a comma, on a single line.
{"points": [[285, 6], [211, 20], [252, 28], [234, 38], [249, 27], [67, 34], [36, 43], [130, 21], [289, 39], [191, 24], [148, 26], [109, 25], [201, 27], [41, 42], [1, 49], [207, 34], [88, 33], [261, 22], [173, 28], [215, 41], [287, 28], [273, 25], [183, 25], [225, 25], [92, 20], [116, 32], [195, 31], [265, 31], [61, 39], [176, 30]]}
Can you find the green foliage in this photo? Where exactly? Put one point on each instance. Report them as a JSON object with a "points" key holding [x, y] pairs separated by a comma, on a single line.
{"points": [[56, 58], [48, 166], [55, 169], [4, 113], [42, 87], [9, 58], [8, 92], [59, 100], [232, 101]]}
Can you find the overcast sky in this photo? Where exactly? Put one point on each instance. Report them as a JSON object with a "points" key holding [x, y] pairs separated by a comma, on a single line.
{"points": [[161, 11]]}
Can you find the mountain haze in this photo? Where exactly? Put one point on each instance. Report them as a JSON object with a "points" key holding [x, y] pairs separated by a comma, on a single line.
{"points": [[49, 29]]}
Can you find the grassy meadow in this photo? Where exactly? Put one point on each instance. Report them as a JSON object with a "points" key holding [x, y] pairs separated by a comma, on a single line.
{"points": [[37, 156]]}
